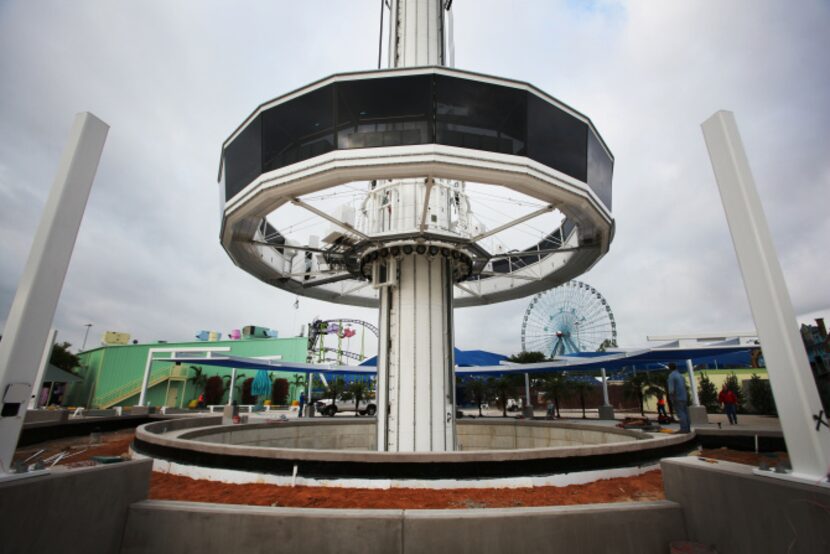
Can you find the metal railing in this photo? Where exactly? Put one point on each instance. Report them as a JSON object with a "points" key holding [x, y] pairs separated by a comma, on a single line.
{"points": [[132, 388]]}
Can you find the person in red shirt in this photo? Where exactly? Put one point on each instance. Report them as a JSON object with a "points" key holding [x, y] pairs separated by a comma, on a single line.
{"points": [[729, 402]]}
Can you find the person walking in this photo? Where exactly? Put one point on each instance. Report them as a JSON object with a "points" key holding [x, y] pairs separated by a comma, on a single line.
{"points": [[679, 398], [302, 404], [661, 406], [729, 402]]}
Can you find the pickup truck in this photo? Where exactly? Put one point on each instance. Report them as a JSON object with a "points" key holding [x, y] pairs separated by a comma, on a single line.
{"points": [[327, 408]]}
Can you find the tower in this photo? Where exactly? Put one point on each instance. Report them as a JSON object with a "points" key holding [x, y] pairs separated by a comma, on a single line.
{"points": [[413, 135]]}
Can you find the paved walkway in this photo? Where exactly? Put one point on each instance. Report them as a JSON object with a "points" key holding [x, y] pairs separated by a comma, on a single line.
{"points": [[746, 422]]}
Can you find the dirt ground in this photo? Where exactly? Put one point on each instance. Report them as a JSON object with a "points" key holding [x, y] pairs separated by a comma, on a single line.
{"points": [[741, 457], [78, 452]]}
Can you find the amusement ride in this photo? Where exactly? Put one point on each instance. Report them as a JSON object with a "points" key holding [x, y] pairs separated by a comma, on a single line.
{"points": [[371, 188], [573, 317]]}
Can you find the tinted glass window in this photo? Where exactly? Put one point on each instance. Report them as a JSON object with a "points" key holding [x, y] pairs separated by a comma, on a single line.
{"points": [[384, 112], [243, 159], [299, 129], [600, 170], [480, 115], [556, 138]]}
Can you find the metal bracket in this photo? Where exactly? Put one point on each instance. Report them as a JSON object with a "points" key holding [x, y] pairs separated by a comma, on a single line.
{"points": [[820, 420]]}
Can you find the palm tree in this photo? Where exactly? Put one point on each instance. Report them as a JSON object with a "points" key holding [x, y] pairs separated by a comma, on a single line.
{"points": [[641, 386], [501, 388], [358, 389], [335, 388], [478, 389], [582, 387], [297, 382], [199, 378], [554, 386]]}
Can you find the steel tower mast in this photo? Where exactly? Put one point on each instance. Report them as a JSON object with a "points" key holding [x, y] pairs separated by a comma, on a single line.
{"points": [[416, 377]]}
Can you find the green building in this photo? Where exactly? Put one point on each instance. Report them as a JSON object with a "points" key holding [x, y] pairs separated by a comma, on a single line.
{"points": [[112, 375]]}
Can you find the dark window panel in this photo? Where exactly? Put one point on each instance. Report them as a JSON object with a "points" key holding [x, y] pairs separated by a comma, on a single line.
{"points": [[556, 138], [482, 116], [298, 129], [384, 112], [243, 159], [600, 170]]}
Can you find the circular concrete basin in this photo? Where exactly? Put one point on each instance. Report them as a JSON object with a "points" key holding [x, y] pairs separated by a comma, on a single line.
{"points": [[344, 448]]}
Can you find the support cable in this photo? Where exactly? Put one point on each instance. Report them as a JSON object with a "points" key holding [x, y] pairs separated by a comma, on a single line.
{"points": [[380, 34]]}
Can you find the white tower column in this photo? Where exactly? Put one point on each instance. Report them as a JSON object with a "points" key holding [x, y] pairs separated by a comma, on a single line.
{"points": [[417, 33], [416, 375], [416, 370]]}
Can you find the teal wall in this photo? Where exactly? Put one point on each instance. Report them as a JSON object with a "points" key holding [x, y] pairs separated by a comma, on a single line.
{"points": [[112, 370]]}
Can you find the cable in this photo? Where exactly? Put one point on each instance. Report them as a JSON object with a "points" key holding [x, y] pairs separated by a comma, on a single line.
{"points": [[380, 35]]}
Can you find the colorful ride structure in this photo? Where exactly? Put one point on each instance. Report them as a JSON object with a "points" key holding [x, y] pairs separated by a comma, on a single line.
{"points": [[342, 330]]}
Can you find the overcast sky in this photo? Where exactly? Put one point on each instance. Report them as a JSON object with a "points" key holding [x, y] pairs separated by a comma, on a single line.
{"points": [[174, 79]]}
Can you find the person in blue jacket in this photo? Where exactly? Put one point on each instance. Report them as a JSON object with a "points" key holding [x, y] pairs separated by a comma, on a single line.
{"points": [[679, 398], [302, 404]]}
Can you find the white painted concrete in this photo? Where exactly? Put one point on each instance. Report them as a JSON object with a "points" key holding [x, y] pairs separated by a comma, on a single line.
{"points": [[242, 477]]}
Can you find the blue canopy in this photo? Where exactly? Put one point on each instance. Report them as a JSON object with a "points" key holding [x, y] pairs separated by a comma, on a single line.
{"points": [[463, 358], [643, 359]]}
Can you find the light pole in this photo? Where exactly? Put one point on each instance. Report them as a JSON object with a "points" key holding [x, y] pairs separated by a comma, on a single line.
{"points": [[86, 334]]}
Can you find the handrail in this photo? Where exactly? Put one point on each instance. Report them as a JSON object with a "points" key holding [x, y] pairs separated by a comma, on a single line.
{"points": [[131, 388]]}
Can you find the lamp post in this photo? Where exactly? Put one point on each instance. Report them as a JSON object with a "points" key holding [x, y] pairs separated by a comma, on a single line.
{"points": [[86, 334]]}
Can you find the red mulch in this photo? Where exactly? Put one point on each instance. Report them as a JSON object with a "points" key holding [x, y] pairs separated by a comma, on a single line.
{"points": [[741, 457], [645, 487]]}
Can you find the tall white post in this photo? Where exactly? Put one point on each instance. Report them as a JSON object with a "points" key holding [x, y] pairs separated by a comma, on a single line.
{"points": [[230, 390], [527, 390], [34, 401], [145, 382], [605, 400], [33, 308], [793, 386], [692, 382]]}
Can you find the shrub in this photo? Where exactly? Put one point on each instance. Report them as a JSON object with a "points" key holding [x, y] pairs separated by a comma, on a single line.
{"points": [[214, 390], [247, 397], [760, 396], [279, 391], [707, 393]]}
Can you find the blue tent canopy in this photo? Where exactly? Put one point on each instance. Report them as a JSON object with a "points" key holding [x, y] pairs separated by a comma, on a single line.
{"points": [[479, 362], [463, 358]]}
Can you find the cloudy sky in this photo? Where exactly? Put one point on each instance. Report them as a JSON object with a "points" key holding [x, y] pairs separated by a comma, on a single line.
{"points": [[173, 79]]}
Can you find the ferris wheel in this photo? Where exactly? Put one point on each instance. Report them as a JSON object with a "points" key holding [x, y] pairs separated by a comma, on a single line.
{"points": [[573, 317]]}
